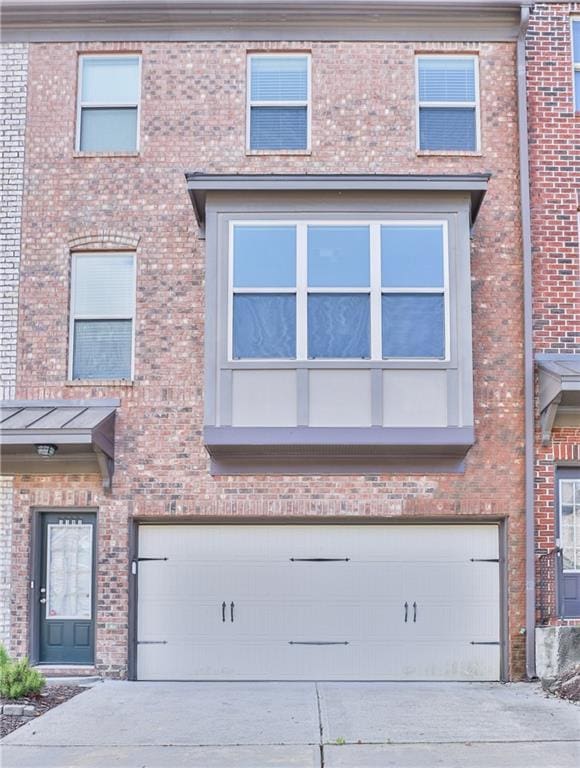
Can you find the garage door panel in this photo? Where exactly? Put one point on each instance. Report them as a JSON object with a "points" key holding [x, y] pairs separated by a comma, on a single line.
{"points": [[299, 618]]}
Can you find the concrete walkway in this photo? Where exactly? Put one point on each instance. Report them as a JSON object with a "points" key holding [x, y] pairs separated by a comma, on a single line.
{"points": [[307, 725]]}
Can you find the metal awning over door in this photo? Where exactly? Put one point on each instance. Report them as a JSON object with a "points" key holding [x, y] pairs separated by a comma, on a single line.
{"points": [[318, 602]]}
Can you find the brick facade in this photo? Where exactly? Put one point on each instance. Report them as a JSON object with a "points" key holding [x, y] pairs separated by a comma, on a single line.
{"points": [[554, 136], [13, 82], [193, 118]]}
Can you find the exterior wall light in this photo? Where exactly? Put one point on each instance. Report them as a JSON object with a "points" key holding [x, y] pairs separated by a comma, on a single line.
{"points": [[46, 451]]}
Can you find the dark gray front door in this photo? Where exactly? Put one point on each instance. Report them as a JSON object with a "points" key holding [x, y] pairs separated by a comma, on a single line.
{"points": [[67, 600], [568, 495]]}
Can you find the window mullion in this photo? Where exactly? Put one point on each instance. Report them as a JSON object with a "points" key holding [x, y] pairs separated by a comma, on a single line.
{"points": [[376, 325], [301, 292]]}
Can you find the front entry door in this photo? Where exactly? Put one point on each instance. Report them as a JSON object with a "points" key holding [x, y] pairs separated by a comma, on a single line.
{"points": [[67, 589]]}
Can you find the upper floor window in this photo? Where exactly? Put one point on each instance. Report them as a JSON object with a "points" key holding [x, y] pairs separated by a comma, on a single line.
{"points": [[447, 103], [108, 103], [576, 54], [102, 315], [278, 101], [327, 290]]}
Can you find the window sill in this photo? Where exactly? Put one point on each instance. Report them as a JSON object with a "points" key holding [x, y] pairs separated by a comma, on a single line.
{"points": [[105, 154], [100, 383], [448, 153], [279, 152]]}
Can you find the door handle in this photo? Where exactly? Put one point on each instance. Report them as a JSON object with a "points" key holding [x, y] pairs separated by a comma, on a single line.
{"points": [[224, 611], [414, 612], [406, 611], [232, 612]]}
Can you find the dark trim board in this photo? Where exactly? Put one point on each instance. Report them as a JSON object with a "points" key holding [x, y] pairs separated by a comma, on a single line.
{"points": [[135, 523]]}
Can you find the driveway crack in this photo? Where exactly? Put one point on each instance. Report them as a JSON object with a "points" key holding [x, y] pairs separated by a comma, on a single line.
{"points": [[320, 726]]}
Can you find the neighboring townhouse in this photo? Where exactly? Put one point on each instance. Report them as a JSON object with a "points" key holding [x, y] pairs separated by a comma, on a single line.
{"points": [[553, 74], [268, 408]]}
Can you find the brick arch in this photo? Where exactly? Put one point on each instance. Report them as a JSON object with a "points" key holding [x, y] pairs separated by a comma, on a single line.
{"points": [[104, 240]]}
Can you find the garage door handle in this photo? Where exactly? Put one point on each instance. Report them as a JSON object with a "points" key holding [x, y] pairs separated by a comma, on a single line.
{"points": [[414, 612], [406, 612], [232, 612], [224, 611]]}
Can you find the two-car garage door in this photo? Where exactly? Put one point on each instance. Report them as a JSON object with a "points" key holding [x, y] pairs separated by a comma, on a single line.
{"points": [[324, 602]]}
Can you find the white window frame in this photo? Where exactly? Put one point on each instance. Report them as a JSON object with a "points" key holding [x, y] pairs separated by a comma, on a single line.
{"points": [[575, 64], [83, 316], [375, 289], [297, 103], [81, 104], [448, 104], [561, 481]]}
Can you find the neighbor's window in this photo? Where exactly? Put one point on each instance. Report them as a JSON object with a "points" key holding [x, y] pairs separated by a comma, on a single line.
{"points": [[278, 102], [570, 524], [576, 50], [108, 107], [324, 290], [102, 315], [448, 103]]}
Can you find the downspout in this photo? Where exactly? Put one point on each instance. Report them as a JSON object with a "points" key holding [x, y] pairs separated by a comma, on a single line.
{"points": [[528, 349]]}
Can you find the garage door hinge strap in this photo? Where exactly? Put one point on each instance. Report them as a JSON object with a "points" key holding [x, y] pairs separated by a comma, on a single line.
{"points": [[142, 559], [475, 642], [317, 642], [485, 559], [151, 642], [319, 559]]}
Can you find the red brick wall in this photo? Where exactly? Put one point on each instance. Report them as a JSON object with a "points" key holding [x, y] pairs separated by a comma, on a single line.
{"points": [[193, 118], [554, 131]]}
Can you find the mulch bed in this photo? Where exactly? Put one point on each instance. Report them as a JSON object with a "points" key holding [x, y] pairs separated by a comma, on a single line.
{"points": [[567, 686], [51, 696]]}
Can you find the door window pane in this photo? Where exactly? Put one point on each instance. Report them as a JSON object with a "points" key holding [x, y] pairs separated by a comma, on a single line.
{"points": [[413, 325], [338, 257], [109, 130], [278, 128], [264, 326], [570, 524], [412, 257], [447, 128], [338, 325], [69, 571], [279, 78], [110, 80], [102, 349], [264, 257]]}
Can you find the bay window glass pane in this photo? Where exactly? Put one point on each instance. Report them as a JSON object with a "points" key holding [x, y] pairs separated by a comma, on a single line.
{"points": [[102, 349], [108, 130], [104, 284], [264, 325], [567, 492], [447, 128], [413, 325], [576, 33], [110, 80], [264, 257], [279, 78], [278, 128], [446, 79], [338, 257], [338, 325], [577, 89], [69, 571], [412, 257]]}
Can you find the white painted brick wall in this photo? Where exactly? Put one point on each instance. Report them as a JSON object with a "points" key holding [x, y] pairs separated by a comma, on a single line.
{"points": [[13, 79]]}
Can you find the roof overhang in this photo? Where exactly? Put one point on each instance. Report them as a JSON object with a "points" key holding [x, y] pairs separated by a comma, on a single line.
{"points": [[200, 184], [559, 389], [413, 20], [83, 432]]}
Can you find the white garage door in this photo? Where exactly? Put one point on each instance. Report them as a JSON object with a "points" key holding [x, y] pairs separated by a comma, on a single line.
{"points": [[313, 602]]}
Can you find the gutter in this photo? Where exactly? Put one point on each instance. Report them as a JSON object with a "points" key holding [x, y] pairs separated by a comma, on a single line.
{"points": [[529, 425]]}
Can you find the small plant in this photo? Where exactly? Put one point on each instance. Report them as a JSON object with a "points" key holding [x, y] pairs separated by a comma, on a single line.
{"points": [[17, 678], [341, 741]]}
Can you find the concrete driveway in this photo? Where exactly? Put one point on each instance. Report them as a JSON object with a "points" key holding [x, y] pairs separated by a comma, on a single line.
{"points": [[307, 725]]}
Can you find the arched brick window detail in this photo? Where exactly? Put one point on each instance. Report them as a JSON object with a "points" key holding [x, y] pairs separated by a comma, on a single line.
{"points": [[104, 240]]}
